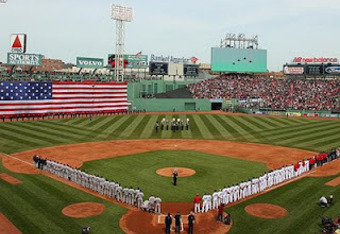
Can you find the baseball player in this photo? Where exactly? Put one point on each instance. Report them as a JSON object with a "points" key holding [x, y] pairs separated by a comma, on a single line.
{"points": [[215, 200], [131, 193], [158, 201], [225, 196], [119, 193], [125, 195], [205, 205], [151, 203], [197, 203], [140, 196]]}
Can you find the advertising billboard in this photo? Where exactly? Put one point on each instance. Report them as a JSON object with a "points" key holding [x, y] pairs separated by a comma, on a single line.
{"points": [[158, 68], [238, 60], [332, 70], [90, 62], [130, 61], [293, 69], [24, 59], [175, 69], [191, 70], [18, 43], [314, 70]]}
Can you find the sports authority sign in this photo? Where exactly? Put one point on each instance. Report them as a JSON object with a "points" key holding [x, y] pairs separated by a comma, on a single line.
{"points": [[90, 62], [18, 43], [24, 59], [315, 60]]}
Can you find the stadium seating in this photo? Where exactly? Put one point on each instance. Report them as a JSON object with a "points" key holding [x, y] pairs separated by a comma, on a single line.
{"points": [[299, 94]]}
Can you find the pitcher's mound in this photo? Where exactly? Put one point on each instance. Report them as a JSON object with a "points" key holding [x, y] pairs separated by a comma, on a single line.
{"points": [[266, 211], [182, 172], [83, 210]]}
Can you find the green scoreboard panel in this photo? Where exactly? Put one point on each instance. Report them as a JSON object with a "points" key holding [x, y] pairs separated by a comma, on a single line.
{"points": [[238, 60]]}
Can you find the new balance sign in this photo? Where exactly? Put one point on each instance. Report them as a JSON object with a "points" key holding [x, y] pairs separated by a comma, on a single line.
{"points": [[90, 62], [24, 59]]}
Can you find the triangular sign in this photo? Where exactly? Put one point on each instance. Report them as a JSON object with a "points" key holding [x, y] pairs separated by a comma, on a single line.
{"points": [[17, 43]]}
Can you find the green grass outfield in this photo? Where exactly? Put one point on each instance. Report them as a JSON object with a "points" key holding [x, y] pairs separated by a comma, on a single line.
{"points": [[310, 134], [35, 206], [212, 172], [299, 198]]}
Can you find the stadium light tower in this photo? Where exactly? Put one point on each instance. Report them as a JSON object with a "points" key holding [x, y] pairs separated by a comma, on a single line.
{"points": [[121, 15]]}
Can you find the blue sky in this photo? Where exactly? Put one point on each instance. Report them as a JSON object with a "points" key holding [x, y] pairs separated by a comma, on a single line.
{"points": [[66, 29]]}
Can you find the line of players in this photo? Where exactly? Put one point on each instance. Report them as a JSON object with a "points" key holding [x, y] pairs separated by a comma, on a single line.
{"points": [[175, 125], [111, 189], [253, 186]]}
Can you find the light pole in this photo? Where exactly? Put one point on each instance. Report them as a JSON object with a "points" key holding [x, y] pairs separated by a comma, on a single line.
{"points": [[120, 14]]}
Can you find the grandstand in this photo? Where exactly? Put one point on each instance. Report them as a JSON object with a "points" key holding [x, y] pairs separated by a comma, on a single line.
{"points": [[276, 94]]}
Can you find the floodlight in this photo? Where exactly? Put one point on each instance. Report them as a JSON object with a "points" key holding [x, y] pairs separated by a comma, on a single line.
{"points": [[121, 13]]}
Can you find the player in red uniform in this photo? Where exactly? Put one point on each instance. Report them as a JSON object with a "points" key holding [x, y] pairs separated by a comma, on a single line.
{"points": [[197, 203]]}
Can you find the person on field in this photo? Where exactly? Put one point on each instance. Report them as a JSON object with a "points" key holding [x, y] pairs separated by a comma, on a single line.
{"points": [[220, 213], [168, 222], [174, 176], [323, 202], [197, 203], [156, 127], [158, 202], [178, 221], [191, 221]]}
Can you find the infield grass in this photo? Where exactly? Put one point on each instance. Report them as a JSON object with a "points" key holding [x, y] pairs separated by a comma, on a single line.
{"points": [[139, 170]]}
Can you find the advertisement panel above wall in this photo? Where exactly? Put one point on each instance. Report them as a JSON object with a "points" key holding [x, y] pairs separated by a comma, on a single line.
{"points": [[90, 62], [24, 59], [130, 61]]}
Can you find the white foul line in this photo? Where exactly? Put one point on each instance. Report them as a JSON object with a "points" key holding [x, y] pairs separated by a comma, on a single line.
{"points": [[31, 164]]}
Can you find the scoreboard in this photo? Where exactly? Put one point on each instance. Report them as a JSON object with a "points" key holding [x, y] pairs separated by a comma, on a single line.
{"points": [[159, 68], [173, 69], [191, 70]]}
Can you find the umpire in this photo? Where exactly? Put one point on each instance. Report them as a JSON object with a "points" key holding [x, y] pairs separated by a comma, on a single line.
{"points": [[191, 221], [168, 222]]}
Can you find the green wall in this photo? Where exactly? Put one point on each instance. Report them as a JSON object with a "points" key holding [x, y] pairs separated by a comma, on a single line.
{"points": [[147, 87], [152, 105]]}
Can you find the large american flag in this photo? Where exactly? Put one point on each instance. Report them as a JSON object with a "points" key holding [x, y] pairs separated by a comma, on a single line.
{"points": [[21, 98]]}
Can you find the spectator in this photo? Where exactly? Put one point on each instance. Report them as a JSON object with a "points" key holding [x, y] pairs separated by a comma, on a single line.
{"points": [[271, 93]]}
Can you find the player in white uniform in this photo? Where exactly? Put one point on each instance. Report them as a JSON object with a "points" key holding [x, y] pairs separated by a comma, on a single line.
{"points": [[139, 196], [205, 205], [125, 195], [158, 201], [131, 196], [215, 200], [119, 195], [151, 203], [220, 197]]}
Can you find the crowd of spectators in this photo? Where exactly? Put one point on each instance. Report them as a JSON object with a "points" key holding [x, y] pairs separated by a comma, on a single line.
{"points": [[299, 94]]}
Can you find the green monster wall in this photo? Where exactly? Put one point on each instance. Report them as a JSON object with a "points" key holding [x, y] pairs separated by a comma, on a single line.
{"points": [[152, 105]]}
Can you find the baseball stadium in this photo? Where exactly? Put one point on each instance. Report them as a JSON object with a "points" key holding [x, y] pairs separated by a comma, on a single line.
{"points": [[149, 143]]}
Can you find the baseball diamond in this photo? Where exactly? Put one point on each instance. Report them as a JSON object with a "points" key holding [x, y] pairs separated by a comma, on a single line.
{"points": [[150, 126], [65, 140]]}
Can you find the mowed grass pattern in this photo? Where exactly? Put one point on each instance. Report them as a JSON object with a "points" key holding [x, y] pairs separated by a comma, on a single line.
{"points": [[35, 206], [310, 134]]}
